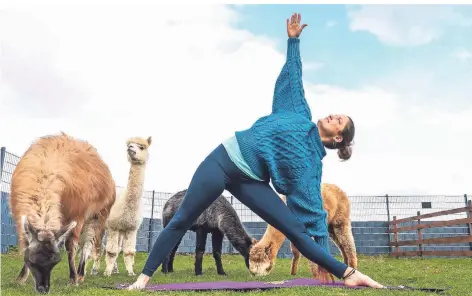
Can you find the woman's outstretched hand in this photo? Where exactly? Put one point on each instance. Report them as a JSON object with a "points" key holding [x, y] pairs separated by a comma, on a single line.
{"points": [[140, 283], [294, 29]]}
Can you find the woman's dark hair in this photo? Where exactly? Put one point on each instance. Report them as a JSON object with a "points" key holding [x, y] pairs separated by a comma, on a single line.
{"points": [[344, 147]]}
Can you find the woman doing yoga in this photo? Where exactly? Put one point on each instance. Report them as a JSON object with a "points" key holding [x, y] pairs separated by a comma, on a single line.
{"points": [[285, 147]]}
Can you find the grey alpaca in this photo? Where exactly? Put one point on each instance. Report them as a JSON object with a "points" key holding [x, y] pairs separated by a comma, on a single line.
{"points": [[219, 219]]}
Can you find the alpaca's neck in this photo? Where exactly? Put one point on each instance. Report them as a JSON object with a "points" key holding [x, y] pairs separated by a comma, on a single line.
{"points": [[134, 189], [238, 237]]}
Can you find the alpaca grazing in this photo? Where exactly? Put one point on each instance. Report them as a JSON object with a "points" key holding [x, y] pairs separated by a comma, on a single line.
{"points": [[124, 220], [219, 219], [59, 184], [336, 203]]}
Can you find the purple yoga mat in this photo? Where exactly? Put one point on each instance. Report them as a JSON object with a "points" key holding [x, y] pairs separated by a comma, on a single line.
{"points": [[228, 285]]}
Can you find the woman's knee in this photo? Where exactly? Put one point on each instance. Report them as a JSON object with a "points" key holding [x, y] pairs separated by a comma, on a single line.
{"points": [[179, 223]]}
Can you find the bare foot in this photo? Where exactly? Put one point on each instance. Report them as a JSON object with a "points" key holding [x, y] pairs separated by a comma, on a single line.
{"points": [[140, 283], [360, 279]]}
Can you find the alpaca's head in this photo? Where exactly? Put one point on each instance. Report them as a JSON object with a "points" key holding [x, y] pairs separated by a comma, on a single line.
{"points": [[42, 252], [260, 263], [138, 149]]}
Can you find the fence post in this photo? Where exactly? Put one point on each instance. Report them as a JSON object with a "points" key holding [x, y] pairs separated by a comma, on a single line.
{"points": [[468, 203], [395, 235], [151, 223], [420, 235], [388, 207], [230, 247], [2, 159], [388, 218]]}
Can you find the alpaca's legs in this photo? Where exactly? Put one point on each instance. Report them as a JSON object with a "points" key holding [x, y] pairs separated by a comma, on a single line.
{"points": [[120, 248], [112, 249], [23, 276], [86, 246], [172, 256], [217, 244], [99, 234], [71, 247], [115, 270], [97, 253], [200, 250], [129, 250], [345, 241], [295, 259], [168, 263], [84, 259]]}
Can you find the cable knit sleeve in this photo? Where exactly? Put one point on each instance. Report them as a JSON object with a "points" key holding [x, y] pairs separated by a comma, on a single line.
{"points": [[289, 94], [306, 203]]}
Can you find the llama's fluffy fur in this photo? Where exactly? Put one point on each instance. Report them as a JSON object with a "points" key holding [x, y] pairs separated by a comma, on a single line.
{"points": [[336, 203], [124, 220], [60, 180], [219, 219]]}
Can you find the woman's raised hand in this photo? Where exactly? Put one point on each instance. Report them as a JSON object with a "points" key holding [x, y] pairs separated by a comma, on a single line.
{"points": [[294, 29]]}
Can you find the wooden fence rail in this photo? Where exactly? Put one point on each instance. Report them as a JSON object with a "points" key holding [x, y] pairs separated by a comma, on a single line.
{"points": [[393, 228]]}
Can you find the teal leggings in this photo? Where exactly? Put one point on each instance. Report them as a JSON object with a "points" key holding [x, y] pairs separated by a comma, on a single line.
{"points": [[217, 173]]}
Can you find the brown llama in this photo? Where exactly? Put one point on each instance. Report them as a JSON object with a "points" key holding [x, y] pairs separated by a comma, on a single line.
{"points": [[336, 203], [59, 184]]}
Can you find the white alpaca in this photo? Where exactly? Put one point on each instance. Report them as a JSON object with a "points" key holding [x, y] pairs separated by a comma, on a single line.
{"points": [[125, 219]]}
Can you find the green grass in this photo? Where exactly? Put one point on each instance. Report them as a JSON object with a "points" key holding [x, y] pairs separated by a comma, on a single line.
{"points": [[440, 272]]}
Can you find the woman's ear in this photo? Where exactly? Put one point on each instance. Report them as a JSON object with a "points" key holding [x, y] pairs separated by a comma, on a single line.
{"points": [[338, 139]]}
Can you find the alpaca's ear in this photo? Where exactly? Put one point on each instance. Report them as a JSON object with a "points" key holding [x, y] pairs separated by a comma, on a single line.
{"points": [[149, 140], [30, 231], [268, 247], [63, 233], [254, 241]]}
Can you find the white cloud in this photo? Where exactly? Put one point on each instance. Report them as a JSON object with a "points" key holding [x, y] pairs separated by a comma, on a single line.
{"points": [[462, 54], [401, 25], [190, 79]]}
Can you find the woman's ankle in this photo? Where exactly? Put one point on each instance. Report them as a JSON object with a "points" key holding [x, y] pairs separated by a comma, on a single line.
{"points": [[349, 271]]}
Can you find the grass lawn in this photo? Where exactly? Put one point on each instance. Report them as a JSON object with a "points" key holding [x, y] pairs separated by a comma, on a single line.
{"points": [[443, 272]]}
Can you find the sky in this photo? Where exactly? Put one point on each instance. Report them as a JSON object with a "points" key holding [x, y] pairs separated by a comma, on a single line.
{"points": [[191, 75]]}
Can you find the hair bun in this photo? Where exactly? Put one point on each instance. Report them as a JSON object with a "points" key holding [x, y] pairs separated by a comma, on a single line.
{"points": [[345, 152]]}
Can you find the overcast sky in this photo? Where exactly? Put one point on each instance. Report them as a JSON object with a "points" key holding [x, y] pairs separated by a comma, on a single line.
{"points": [[189, 76]]}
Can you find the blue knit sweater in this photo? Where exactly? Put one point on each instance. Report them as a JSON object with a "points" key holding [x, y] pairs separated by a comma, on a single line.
{"points": [[286, 147]]}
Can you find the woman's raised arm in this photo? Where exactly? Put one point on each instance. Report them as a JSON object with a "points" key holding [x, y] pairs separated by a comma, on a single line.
{"points": [[289, 94]]}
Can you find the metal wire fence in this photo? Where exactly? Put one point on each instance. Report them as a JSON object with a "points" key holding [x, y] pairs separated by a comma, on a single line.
{"points": [[369, 215]]}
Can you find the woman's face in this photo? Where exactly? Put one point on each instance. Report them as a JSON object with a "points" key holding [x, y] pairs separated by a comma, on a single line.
{"points": [[332, 125]]}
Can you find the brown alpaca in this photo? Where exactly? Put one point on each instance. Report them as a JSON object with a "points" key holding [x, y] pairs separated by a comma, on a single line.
{"points": [[336, 203], [58, 185]]}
